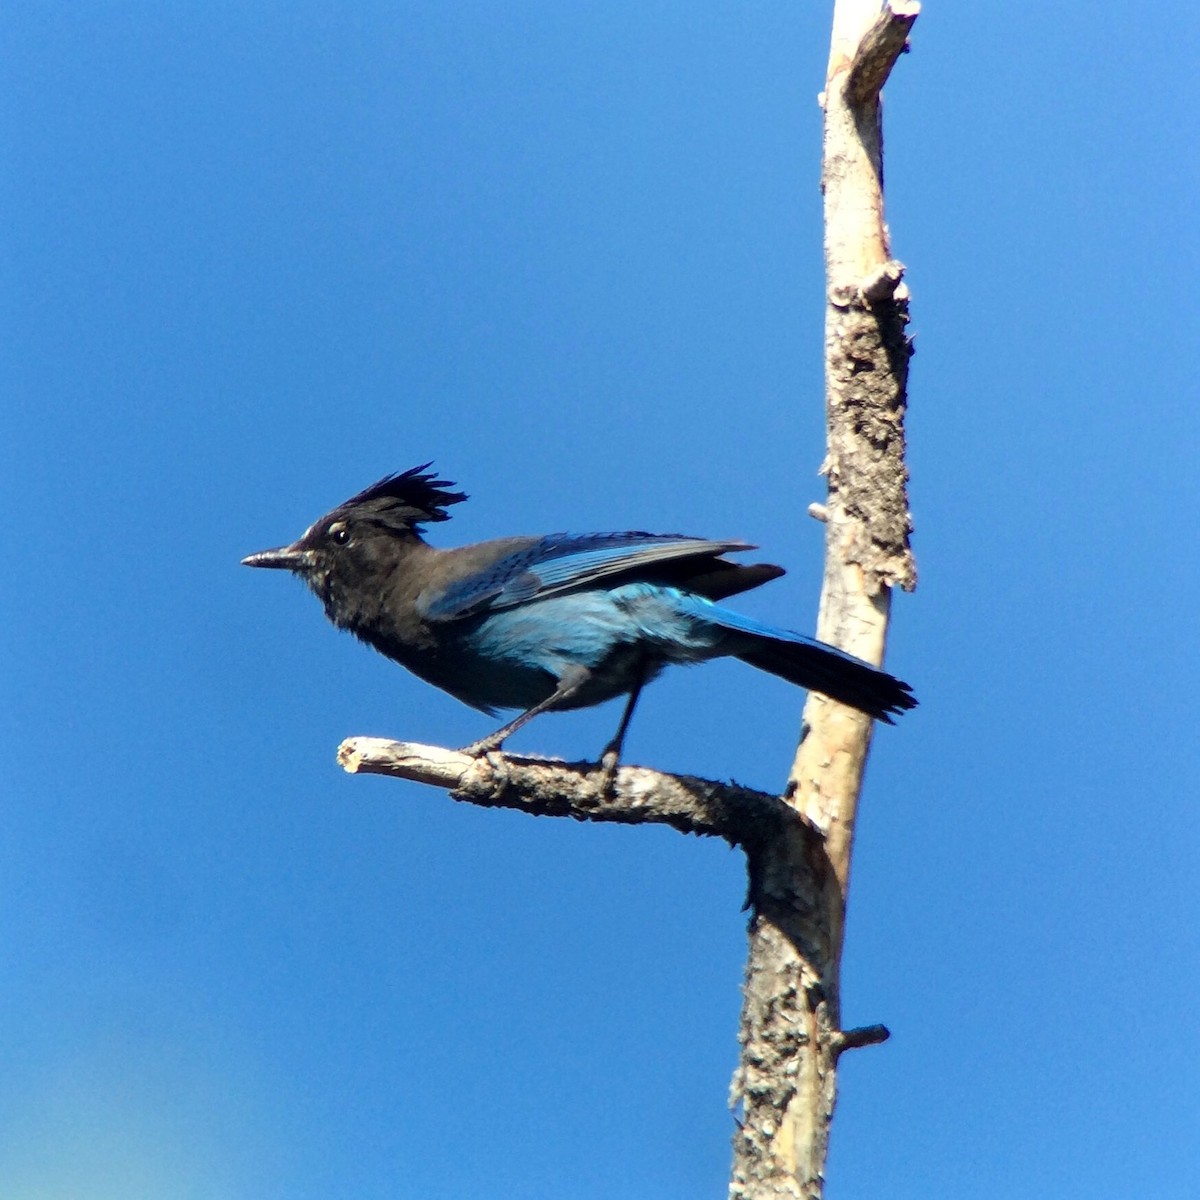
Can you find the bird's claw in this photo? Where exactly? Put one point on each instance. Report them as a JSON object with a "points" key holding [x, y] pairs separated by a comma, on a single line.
{"points": [[609, 761]]}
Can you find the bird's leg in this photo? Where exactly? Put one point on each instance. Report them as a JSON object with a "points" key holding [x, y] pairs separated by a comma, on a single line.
{"points": [[571, 680], [611, 754]]}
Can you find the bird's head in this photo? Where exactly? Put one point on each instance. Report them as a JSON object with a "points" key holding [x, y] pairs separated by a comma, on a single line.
{"points": [[356, 545]]}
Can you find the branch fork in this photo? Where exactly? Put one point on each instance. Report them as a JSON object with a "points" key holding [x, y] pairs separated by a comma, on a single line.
{"points": [[798, 848]]}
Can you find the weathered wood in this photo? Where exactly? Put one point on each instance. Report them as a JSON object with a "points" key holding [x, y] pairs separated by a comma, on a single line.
{"points": [[791, 1033], [798, 849], [551, 788]]}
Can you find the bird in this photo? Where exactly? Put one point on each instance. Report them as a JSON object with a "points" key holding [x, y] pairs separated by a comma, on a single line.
{"points": [[556, 622]]}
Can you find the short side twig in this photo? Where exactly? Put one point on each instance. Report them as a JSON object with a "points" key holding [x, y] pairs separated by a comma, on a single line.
{"points": [[864, 1035]]}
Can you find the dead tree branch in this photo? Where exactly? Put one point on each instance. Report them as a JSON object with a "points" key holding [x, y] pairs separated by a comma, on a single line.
{"points": [[548, 788], [791, 1020], [798, 849]]}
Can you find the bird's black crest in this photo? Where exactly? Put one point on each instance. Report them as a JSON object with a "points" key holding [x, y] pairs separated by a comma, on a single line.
{"points": [[409, 497]]}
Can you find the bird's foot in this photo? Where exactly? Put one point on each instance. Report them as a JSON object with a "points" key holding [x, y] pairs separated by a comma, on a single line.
{"points": [[609, 761]]}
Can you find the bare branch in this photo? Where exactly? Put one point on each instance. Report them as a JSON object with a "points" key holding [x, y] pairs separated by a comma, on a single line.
{"points": [[864, 1035], [881, 45], [549, 788], [791, 1033], [798, 848]]}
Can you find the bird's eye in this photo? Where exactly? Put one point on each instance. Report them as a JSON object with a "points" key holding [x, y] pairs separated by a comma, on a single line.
{"points": [[340, 534]]}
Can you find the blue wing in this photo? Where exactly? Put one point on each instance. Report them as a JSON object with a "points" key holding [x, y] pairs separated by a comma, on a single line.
{"points": [[562, 562]]}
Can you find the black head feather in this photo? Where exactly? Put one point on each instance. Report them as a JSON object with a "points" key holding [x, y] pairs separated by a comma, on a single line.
{"points": [[405, 499]]}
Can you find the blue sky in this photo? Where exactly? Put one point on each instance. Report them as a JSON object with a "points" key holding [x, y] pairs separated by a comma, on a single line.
{"points": [[257, 255]]}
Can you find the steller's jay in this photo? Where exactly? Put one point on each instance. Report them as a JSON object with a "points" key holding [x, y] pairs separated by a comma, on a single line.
{"points": [[555, 622]]}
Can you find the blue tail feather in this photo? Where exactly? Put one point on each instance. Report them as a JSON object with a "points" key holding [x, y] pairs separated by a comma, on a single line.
{"points": [[807, 663]]}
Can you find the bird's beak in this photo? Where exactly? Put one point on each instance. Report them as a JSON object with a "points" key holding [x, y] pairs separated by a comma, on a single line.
{"points": [[286, 558]]}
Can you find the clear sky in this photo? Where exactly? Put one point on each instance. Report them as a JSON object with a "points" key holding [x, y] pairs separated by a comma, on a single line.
{"points": [[256, 255]]}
